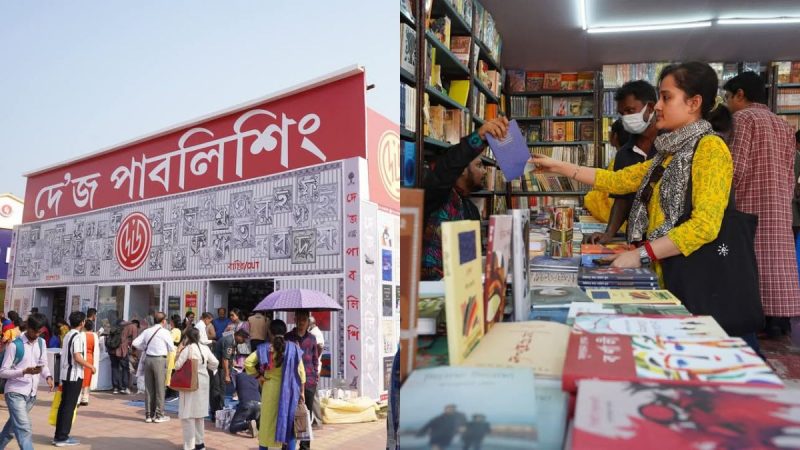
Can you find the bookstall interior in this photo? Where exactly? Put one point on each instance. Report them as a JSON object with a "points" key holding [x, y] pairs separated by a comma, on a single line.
{"points": [[617, 360]]}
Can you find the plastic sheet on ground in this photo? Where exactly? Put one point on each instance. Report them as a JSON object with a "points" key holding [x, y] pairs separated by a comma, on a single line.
{"points": [[356, 410]]}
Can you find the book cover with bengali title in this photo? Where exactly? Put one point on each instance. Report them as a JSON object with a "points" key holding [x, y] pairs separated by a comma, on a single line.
{"points": [[669, 360], [498, 261], [461, 249], [616, 274], [633, 416], [537, 345]]}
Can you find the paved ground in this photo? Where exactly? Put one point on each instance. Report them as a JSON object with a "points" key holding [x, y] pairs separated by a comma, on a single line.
{"points": [[108, 423]]}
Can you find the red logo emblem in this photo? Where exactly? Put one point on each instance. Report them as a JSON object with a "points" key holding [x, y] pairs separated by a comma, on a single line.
{"points": [[5, 210], [133, 241]]}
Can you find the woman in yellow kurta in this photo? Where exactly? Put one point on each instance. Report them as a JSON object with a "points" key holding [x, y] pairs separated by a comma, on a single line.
{"points": [[690, 111], [270, 375]]}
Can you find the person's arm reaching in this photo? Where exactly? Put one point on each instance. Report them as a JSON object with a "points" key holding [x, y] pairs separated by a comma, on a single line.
{"points": [[619, 214], [451, 164]]}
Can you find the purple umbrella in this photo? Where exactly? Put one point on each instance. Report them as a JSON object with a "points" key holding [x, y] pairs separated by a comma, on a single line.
{"points": [[292, 299]]}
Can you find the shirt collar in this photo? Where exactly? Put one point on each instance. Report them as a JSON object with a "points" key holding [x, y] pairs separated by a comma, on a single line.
{"points": [[757, 106]]}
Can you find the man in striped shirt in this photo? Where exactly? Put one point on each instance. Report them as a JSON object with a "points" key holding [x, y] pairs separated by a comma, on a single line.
{"points": [[72, 367]]}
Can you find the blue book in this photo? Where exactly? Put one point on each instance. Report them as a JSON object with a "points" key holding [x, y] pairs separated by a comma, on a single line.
{"points": [[442, 405], [511, 153], [550, 314]]}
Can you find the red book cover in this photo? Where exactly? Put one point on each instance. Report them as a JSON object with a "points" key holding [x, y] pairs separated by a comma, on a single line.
{"points": [[660, 358], [622, 416]]}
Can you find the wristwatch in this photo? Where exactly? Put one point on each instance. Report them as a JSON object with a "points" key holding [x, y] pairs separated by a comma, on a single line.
{"points": [[644, 258]]}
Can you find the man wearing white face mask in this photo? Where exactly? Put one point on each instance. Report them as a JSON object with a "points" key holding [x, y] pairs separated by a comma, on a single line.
{"points": [[635, 103]]}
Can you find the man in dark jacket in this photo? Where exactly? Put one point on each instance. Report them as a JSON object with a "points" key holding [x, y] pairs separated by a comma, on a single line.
{"points": [[456, 174], [248, 411]]}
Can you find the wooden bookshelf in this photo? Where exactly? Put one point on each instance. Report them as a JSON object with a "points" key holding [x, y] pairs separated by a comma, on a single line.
{"points": [[451, 69]]}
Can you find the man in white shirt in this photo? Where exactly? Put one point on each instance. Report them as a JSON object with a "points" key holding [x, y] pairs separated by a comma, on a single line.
{"points": [[202, 327], [23, 367], [317, 333], [155, 343], [72, 367]]}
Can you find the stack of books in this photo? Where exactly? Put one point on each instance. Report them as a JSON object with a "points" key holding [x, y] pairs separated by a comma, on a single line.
{"points": [[617, 278]]}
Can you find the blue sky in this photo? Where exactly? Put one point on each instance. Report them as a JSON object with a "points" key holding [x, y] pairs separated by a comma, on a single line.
{"points": [[82, 75]]}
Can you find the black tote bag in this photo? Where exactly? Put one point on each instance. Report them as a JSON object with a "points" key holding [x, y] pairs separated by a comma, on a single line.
{"points": [[720, 278]]}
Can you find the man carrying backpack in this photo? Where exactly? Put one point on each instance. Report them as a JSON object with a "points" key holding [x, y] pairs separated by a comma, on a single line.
{"points": [[23, 362], [118, 344]]}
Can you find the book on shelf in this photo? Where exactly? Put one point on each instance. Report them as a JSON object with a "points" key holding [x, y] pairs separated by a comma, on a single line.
{"points": [[515, 80], [461, 255], [632, 296], [459, 91], [794, 72], [486, 31], [498, 261], [673, 360], [408, 107], [631, 416], [642, 325], [408, 48], [411, 212], [436, 114], [455, 125], [536, 345], [442, 402], [615, 75], [552, 82], [534, 81], [459, 46], [409, 167], [569, 81], [440, 27], [463, 8], [585, 81], [519, 247], [788, 99]]}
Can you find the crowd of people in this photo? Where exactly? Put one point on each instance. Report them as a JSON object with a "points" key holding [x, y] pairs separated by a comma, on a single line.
{"points": [[269, 369]]}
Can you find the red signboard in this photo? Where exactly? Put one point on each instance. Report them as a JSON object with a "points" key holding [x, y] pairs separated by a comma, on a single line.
{"points": [[383, 144], [320, 124]]}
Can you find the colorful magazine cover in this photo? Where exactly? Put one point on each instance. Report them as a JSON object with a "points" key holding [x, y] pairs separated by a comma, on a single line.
{"points": [[448, 408], [627, 416], [498, 261]]}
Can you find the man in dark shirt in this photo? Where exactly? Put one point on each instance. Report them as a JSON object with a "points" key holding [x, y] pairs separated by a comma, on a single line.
{"points": [[455, 175], [308, 344], [475, 431], [248, 411], [636, 102]]}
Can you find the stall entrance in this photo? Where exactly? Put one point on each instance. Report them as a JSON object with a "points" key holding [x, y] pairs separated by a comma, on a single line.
{"points": [[52, 302], [241, 294]]}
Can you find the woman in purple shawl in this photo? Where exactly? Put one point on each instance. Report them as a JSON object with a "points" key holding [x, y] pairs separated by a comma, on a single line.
{"points": [[278, 366]]}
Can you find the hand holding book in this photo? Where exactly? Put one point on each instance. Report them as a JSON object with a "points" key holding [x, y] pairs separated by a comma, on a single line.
{"points": [[496, 127]]}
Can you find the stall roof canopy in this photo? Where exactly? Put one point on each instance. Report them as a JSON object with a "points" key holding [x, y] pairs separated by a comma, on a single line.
{"points": [[548, 34]]}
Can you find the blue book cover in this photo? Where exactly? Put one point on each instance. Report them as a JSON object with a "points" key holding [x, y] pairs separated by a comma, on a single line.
{"points": [[511, 153], [447, 408], [552, 314]]}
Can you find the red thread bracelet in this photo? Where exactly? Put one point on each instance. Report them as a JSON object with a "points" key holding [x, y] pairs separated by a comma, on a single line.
{"points": [[650, 252]]}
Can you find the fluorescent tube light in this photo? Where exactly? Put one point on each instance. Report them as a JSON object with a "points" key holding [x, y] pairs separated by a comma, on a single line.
{"points": [[666, 26], [582, 6], [759, 21]]}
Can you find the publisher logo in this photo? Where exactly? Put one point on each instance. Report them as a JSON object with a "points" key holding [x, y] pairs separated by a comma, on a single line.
{"points": [[389, 163], [133, 241]]}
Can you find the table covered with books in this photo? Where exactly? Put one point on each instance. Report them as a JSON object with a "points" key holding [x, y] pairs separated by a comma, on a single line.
{"points": [[573, 353]]}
